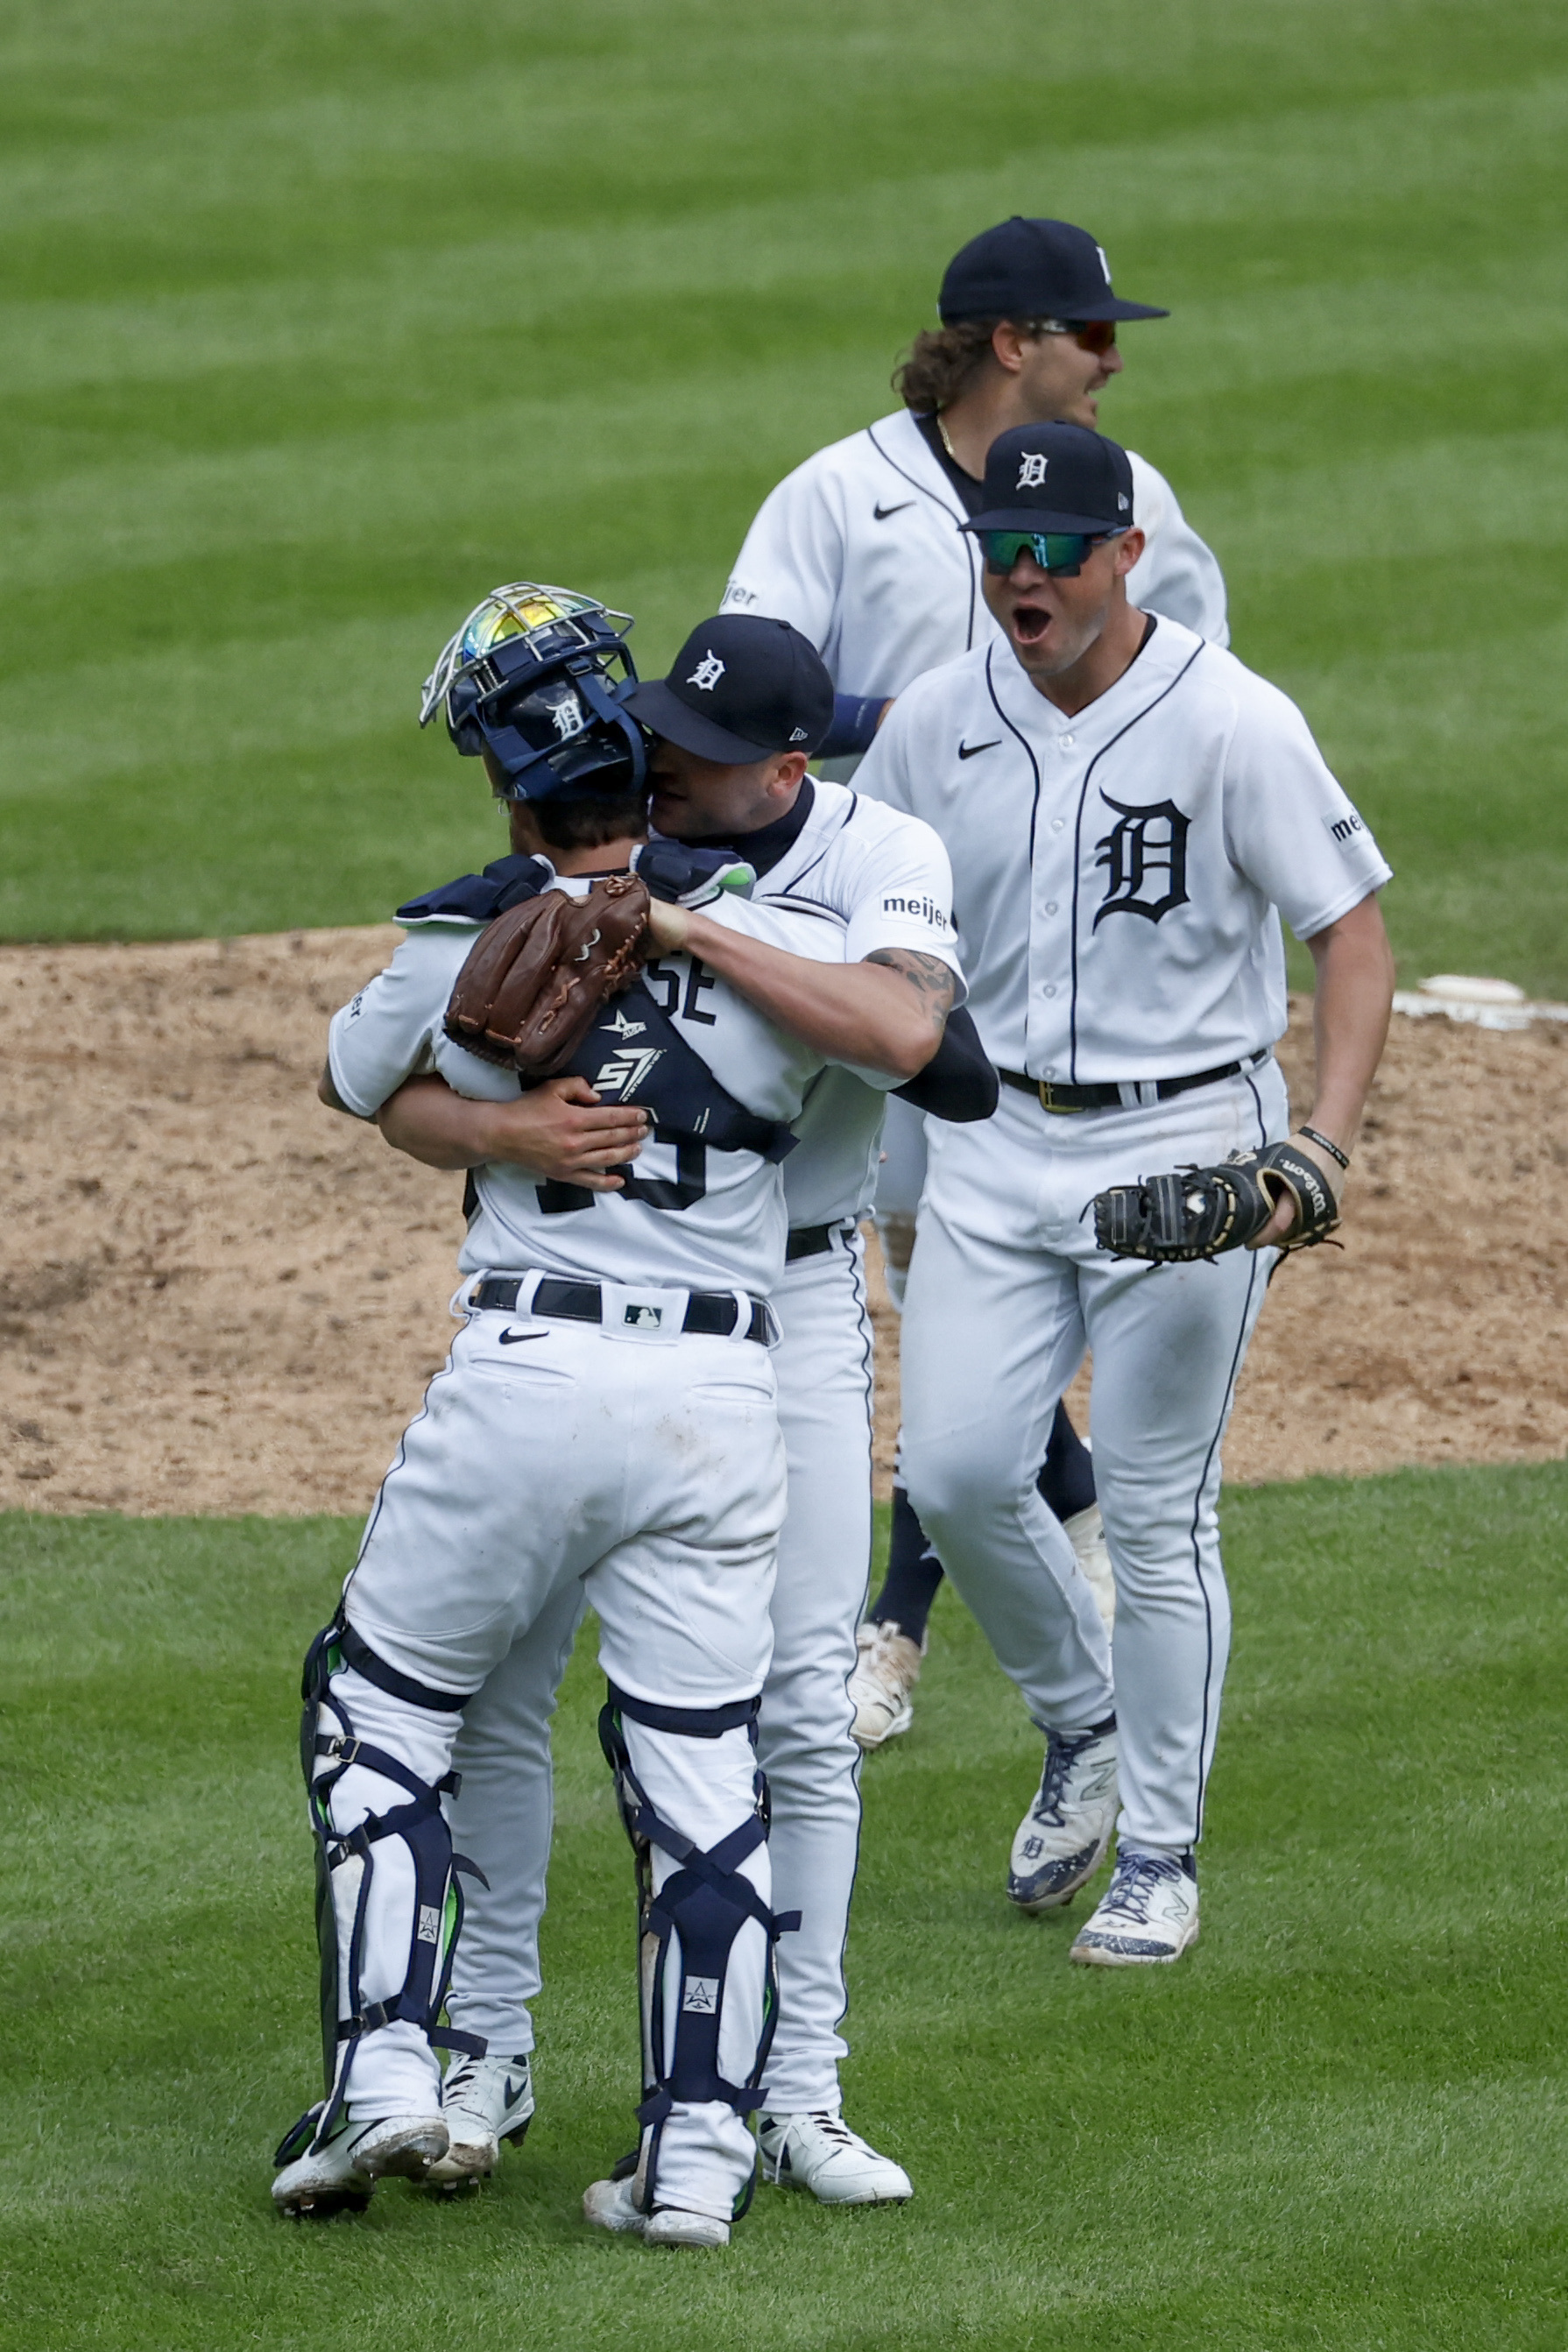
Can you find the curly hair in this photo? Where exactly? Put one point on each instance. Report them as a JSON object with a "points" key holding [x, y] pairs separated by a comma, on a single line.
{"points": [[943, 361]]}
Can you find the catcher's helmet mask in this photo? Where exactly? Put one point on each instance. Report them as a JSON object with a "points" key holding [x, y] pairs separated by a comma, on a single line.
{"points": [[531, 679]]}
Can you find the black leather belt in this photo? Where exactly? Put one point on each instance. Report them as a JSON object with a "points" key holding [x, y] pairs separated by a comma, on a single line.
{"points": [[1053, 1097], [809, 1241], [710, 1312]]}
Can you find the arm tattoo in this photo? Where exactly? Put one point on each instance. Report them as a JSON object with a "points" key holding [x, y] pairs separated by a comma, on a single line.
{"points": [[928, 973]]}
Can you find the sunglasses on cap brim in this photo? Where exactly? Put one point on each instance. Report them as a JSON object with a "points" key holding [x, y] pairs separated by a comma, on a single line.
{"points": [[1059, 552]]}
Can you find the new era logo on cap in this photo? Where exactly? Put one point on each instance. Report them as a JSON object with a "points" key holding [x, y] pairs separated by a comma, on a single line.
{"points": [[708, 673]]}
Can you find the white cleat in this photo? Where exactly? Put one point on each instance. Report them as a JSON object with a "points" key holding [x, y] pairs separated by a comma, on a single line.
{"points": [[340, 2179], [887, 1668], [1063, 1838], [820, 2152], [1148, 1913], [1086, 1532], [485, 2101], [608, 2205]]}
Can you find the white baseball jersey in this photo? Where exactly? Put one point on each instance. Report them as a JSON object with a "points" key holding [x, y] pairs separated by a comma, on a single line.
{"points": [[884, 877], [691, 1215], [861, 549], [1116, 874]]}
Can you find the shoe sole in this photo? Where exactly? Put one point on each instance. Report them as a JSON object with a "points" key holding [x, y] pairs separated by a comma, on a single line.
{"points": [[1096, 1956], [775, 2180], [713, 2236], [409, 2154], [468, 2162], [322, 2204], [898, 2197]]}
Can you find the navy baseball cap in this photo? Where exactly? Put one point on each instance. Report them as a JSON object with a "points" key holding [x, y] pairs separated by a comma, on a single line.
{"points": [[1054, 478], [741, 687], [1033, 270]]}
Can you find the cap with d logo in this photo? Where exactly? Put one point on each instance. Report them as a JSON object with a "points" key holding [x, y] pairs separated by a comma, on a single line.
{"points": [[1033, 270], [741, 687], [1054, 478]]}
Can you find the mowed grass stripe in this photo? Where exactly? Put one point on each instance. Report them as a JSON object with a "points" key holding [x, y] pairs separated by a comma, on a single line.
{"points": [[1339, 2122], [1403, 157], [314, 365]]}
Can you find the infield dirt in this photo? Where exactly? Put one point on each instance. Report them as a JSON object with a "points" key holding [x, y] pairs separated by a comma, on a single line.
{"points": [[218, 1297]]}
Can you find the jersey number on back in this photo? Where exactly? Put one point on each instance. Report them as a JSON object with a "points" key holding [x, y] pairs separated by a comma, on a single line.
{"points": [[690, 1184]]}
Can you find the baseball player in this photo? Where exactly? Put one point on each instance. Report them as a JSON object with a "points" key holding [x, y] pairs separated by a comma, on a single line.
{"points": [[721, 770], [862, 548], [1128, 811], [652, 1483]]}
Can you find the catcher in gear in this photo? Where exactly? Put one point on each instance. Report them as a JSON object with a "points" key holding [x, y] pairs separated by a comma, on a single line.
{"points": [[1196, 1212], [606, 1430]]}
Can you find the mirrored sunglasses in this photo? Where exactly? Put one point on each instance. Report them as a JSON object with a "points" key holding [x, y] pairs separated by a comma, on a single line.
{"points": [[1061, 552], [1097, 335]]}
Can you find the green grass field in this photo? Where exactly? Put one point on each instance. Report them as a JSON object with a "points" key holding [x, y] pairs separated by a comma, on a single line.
{"points": [[315, 320], [318, 319], [1339, 2122]]}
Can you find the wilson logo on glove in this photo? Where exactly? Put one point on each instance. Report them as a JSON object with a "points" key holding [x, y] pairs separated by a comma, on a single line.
{"points": [[1196, 1212]]}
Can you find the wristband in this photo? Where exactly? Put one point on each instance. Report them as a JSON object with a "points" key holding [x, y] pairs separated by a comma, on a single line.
{"points": [[1324, 1145], [853, 727]]}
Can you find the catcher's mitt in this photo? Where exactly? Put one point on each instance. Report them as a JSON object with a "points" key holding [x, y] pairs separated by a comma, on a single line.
{"points": [[1197, 1211], [539, 973]]}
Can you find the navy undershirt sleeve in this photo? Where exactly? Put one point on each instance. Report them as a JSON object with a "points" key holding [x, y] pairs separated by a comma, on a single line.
{"points": [[853, 727]]}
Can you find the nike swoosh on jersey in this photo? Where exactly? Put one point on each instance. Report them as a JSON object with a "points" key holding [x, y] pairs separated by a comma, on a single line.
{"points": [[511, 1339], [967, 751], [882, 512]]}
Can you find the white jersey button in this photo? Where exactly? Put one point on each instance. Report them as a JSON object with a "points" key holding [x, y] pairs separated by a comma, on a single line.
{"points": [[1067, 742], [1051, 991], [1056, 824], [1050, 905]]}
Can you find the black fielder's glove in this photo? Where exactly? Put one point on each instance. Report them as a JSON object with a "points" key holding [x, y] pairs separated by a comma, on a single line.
{"points": [[1196, 1212]]}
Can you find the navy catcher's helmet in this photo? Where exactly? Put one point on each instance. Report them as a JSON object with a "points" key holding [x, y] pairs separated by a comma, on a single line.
{"points": [[531, 678]]}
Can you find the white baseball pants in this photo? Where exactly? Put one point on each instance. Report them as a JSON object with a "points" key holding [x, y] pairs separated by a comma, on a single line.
{"points": [[824, 1368], [501, 1818], [1005, 1289], [554, 1462]]}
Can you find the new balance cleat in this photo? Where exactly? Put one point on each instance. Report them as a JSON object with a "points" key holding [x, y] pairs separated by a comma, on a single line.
{"points": [[1148, 1913], [818, 2152], [485, 2101], [339, 2177], [1086, 1532], [608, 2204], [887, 1668], [1063, 1838]]}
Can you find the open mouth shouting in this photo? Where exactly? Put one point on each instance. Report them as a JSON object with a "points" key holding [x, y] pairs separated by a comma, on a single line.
{"points": [[1030, 624]]}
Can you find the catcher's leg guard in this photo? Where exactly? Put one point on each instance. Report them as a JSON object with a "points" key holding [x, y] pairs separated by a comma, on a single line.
{"points": [[426, 1902], [686, 1930]]}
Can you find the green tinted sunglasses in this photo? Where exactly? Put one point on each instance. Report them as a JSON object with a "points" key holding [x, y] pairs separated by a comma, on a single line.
{"points": [[1061, 552]]}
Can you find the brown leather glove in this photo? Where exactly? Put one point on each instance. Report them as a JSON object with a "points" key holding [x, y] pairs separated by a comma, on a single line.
{"points": [[536, 977]]}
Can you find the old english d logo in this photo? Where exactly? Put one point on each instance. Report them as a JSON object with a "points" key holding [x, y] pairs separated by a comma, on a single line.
{"points": [[1145, 845]]}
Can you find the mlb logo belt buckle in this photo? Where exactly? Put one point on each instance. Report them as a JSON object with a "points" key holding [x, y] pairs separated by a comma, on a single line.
{"points": [[1049, 1093]]}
